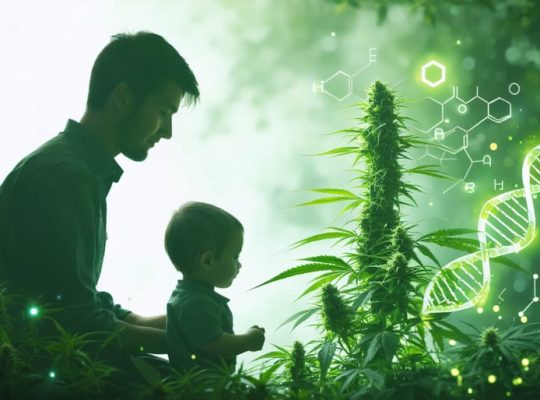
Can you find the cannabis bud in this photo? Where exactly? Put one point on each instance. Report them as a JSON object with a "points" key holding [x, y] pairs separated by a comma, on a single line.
{"points": [[402, 242], [490, 337], [337, 315], [298, 362]]}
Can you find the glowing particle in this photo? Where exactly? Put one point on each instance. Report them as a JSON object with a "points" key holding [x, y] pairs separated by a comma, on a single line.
{"points": [[524, 319], [492, 379], [510, 138], [535, 276], [333, 34], [430, 204], [470, 390], [496, 308], [33, 311], [458, 42], [141, 348], [520, 314], [452, 342], [479, 310], [508, 394], [193, 356], [499, 317], [454, 372], [493, 146], [52, 374], [517, 381], [525, 362]]}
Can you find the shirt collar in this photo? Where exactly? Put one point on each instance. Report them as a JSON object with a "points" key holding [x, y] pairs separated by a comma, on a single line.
{"points": [[201, 287], [93, 152]]}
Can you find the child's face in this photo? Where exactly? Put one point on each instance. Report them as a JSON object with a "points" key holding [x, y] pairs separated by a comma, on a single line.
{"points": [[228, 265]]}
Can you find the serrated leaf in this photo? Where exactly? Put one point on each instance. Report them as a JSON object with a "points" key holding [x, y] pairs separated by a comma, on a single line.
{"points": [[319, 237], [324, 200], [376, 379], [428, 253], [339, 151], [300, 270], [325, 356], [389, 342], [373, 349], [339, 192], [360, 300], [332, 260], [509, 263]]}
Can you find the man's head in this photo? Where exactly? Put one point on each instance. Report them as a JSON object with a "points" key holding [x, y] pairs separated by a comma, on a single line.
{"points": [[139, 80], [204, 242]]}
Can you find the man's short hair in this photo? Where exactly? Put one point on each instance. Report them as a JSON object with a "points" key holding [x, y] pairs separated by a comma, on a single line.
{"points": [[145, 61], [196, 227]]}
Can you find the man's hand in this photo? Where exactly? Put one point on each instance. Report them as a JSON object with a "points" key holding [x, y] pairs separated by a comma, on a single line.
{"points": [[256, 338]]}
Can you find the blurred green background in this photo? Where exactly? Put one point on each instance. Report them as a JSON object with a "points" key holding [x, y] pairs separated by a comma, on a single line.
{"points": [[247, 146]]}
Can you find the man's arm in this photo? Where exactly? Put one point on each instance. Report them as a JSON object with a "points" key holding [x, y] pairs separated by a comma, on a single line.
{"points": [[136, 338], [228, 345], [157, 321]]}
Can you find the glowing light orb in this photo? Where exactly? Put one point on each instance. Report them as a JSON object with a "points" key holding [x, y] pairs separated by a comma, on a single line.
{"points": [[493, 146], [525, 362], [52, 374], [524, 319], [492, 379], [193, 356], [452, 342], [479, 310], [496, 308], [517, 381], [454, 372], [33, 311]]}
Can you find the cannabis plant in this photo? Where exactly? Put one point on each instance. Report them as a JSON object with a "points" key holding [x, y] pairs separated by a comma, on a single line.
{"points": [[369, 298]]}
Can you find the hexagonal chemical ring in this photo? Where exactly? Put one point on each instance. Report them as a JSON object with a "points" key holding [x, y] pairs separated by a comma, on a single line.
{"points": [[441, 68], [499, 119], [342, 82]]}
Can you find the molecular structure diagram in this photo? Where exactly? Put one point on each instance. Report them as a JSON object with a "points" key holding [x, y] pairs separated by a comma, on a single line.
{"points": [[506, 225], [459, 117], [341, 85], [535, 299]]}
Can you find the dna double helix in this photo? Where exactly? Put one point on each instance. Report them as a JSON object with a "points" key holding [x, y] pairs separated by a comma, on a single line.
{"points": [[506, 225]]}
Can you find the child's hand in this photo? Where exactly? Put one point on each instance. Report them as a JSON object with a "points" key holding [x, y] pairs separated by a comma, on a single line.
{"points": [[256, 338]]}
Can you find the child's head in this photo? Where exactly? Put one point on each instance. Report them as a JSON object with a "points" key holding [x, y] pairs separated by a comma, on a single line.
{"points": [[204, 241]]}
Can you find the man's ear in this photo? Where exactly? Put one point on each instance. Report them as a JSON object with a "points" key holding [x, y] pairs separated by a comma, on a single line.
{"points": [[122, 98], [206, 260]]}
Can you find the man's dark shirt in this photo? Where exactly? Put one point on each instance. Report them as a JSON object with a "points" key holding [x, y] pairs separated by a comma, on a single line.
{"points": [[196, 315], [53, 229]]}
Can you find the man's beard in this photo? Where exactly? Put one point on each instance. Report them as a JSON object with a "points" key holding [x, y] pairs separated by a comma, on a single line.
{"points": [[128, 147]]}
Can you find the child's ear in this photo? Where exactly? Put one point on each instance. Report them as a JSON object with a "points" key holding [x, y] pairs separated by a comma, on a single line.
{"points": [[206, 260]]}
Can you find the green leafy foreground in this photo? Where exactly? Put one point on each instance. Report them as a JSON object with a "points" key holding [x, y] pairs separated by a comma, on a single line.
{"points": [[374, 342]]}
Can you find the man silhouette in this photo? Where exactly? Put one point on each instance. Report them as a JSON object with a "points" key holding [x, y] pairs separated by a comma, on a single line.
{"points": [[53, 209]]}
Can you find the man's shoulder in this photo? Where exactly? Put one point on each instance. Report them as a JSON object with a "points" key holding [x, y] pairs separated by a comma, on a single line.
{"points": [[54, 160]]}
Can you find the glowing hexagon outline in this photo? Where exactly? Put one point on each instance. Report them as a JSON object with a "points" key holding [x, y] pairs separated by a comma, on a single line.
{"points": [[502, 119], [437, 64]]}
